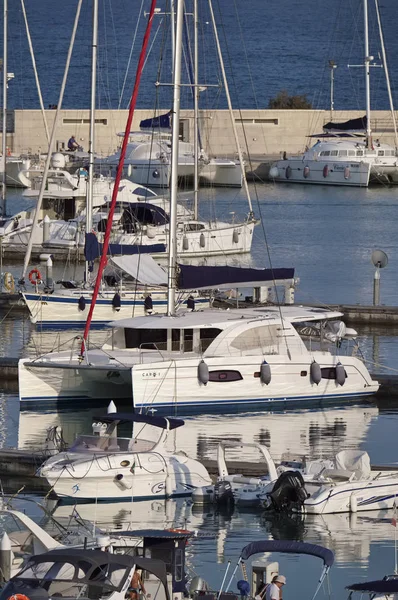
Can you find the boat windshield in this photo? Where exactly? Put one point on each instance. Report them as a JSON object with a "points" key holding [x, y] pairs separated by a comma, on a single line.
{"points": [[111, 444]]}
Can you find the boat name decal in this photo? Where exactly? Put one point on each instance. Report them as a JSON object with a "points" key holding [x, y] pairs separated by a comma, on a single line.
{"points": [[75, 488], [158, 488], [151, 374]]}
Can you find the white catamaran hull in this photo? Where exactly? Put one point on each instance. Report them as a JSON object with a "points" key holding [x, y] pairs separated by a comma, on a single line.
{"points": [[297, 170], [165, 385]]}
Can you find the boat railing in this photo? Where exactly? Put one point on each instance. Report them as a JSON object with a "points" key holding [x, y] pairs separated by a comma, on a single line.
{"points": [[111, 444], [148, 346]]}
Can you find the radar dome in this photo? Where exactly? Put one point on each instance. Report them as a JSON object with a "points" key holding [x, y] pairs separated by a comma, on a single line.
{"points": [[58, 161]]}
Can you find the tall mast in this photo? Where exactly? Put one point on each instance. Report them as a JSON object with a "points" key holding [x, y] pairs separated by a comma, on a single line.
{"points": [[196, 109], [240, 155], [4, 139], [91, 142], [175, 132], [50, 146], [367, 73]]}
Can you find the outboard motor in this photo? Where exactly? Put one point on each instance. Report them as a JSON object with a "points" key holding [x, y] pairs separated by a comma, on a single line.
{"points": [[223, 495], [288, 492]]}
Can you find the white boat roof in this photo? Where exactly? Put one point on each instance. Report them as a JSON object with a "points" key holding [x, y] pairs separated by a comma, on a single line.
{"points": [[213, 317]]}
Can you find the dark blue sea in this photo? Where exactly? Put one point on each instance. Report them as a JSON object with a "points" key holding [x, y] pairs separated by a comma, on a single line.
{"points": [[267, 47]]}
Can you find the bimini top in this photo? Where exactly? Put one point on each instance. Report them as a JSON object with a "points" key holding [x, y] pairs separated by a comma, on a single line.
{"points": [[381, 586], [162, 422], [94, 567], [288, 547]]}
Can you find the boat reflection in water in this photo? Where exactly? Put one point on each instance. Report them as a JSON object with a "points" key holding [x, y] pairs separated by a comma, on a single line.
{"points": [[313, 433]]}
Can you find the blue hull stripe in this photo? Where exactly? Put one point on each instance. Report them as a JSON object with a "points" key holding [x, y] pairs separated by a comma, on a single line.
{"points": [[103, 301], [74, 500]]}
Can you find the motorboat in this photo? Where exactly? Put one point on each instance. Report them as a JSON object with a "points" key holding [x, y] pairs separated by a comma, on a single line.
{"points": [[335, 161], [105, 466], [87, 574], [351, 485], [210, 360], [345, 153]]}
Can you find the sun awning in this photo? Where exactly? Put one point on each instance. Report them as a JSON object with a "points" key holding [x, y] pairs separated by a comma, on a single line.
{"points": [[200, 278], [142, 267]]}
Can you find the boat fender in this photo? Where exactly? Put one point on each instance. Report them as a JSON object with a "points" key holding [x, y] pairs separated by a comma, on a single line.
{"points": [[325, 171], [347, 173], [185, 243], [316, 373], [353, 503], [191, 303], [82, 303], [116, 302], [235, 236], [273, 172], [203, 372], [340, 374], [8, 281], [202, 240], [35, 276], [265, 373], [148, 304], [288, 172], [120, 482], [18, 597], [168, 488], [306, 171]]}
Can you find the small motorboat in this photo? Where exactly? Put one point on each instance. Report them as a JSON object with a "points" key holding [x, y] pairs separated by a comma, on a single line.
{"points": [[351, 485], [104, 466]]}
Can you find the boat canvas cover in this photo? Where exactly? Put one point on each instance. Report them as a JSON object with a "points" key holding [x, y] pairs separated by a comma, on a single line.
{"points": [[191, 277], [142, 267], [380, 586], [358, 124], [93, 248], [162, 422], [289, 547], [160, 122]]}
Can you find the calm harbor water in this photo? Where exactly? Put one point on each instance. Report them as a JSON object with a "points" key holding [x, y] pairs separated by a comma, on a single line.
{"points": [[328, 235]]}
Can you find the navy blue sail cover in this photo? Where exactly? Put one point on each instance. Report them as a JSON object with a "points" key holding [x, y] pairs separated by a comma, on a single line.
{"points": [[351, 125], [93, 249], [289, 547], [380, 586], [190, 277], [161, 422], [160, 122]]}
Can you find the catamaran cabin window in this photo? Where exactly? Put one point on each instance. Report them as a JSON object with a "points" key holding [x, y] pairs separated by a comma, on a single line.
{"points": [[334, 153], [343, 152], [225, 375], [263, 338], [207, 336], [325, 153], [351, 152], [329, 373], [359, 152], [380, 153]]}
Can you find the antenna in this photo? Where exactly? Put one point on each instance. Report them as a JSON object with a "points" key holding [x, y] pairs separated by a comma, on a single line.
{"points": [[379, 260]]}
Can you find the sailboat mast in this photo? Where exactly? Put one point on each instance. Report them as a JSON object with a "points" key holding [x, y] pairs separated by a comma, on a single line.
{"points": [[240, 155], [367, 72], [91, 143], [4, 139], [196, 110], [175, 132]]}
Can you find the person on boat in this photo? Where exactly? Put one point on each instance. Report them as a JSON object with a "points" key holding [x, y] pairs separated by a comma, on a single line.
{"points": [[72, 144], [136, 586], [274, 589]]}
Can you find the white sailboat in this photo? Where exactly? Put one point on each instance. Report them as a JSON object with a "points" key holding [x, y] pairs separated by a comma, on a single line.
{"points": [[349, 155], [209, 360]]}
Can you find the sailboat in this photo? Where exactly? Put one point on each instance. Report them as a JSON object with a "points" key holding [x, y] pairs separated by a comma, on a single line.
{"points": [[345, 153], [208, 360]]}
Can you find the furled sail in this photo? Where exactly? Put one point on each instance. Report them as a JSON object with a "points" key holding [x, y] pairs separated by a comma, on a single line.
{"points": [[160, 122]]}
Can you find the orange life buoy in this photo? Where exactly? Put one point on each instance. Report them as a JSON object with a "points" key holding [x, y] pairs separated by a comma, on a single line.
{"points": [[8, 151], [34, 278], [18, 597]]}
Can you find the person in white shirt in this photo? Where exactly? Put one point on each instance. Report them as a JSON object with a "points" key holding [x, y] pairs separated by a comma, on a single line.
{"points": [[274, 589]]}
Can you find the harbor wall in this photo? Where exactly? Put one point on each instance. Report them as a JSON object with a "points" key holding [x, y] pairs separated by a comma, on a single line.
{"points": [[262, 133]]}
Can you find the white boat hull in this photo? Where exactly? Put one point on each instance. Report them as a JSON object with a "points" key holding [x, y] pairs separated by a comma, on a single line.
{"points": [[63, 311], [297, 170], [355, 496], [168, 385], [143, 477]]}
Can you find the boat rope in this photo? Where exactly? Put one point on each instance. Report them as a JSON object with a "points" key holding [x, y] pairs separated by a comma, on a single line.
{"points": [[119, 173]]}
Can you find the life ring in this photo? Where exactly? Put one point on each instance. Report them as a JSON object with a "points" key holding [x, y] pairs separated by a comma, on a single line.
{"points": [[35, 277], [8, 282], [18, 597]]}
